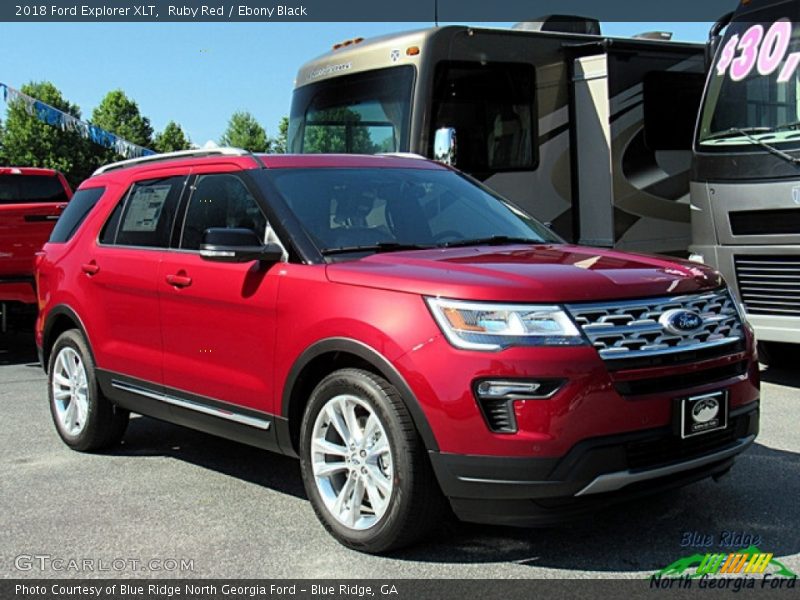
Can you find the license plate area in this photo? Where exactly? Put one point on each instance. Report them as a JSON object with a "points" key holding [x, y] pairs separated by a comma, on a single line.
{"points": [[703, 413]]}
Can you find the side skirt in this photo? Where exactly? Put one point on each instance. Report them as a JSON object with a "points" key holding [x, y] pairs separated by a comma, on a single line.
{"points": [[235, 423]]}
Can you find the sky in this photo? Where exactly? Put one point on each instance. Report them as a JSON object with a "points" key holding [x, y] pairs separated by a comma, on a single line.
{"points": [[198, 74]]}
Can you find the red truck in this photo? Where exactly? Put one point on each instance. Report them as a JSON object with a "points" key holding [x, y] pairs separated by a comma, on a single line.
{"points": [[31, 201]]}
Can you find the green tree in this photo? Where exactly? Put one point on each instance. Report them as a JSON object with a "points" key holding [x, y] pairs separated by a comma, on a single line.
{"points": [[245, 132], [337, 130], [120, 115], [280, 144], [29, 142], [171, 139]]}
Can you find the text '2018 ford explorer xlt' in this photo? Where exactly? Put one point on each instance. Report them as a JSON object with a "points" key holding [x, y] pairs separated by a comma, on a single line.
{"points": [[416, 340]]}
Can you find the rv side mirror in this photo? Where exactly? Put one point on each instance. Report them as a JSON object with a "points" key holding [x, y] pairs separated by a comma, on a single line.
{"points": [[237, 245], [444, 146]]}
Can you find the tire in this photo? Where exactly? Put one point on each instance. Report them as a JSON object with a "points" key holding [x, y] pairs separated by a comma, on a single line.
{"points": [[779, 355], [387, 466], [85, 419]]}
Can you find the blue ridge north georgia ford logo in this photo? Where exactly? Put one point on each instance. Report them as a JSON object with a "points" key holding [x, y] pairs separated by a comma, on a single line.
{"points": [[679, 321]]}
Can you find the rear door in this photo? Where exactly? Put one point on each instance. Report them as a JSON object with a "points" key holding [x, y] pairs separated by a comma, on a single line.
{"points": [[118, 277], [30, 204]]}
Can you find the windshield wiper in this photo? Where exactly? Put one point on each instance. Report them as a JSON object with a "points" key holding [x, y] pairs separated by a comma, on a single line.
{"points": [[736, 131], [748, 134], [494, 240], [379, 247]]}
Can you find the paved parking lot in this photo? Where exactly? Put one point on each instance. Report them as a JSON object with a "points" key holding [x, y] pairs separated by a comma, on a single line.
{"points": [[227, 510]]}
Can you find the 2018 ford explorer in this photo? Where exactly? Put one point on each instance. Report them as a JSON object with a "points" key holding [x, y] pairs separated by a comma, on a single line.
{"points": [[417, 341], [31, 200]]}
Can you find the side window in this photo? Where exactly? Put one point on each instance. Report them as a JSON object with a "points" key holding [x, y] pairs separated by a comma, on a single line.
{"points": [[220, 200], [78, 208], [492, 108], [146, 214]]}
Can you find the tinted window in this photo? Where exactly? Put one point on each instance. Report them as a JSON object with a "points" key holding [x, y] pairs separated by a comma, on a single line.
{"points": [[671, 102], [491, 106], [362, 113], [356, 207], [149, 212], [78, 208], [31, 188], [220, 201]]}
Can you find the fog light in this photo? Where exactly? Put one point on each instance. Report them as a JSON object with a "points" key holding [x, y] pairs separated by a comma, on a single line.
{"points": [[496, 399]]}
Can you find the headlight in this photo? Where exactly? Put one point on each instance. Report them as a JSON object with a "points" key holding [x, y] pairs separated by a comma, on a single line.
{"points": [[487, 326]]}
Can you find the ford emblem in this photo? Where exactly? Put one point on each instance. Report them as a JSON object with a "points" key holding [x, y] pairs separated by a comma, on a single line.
{"points": [[679, 321]]}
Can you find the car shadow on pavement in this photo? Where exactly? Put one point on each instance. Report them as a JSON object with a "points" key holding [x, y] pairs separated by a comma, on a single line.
{"points": [[150, 437], [787, 377], [758, 497]]}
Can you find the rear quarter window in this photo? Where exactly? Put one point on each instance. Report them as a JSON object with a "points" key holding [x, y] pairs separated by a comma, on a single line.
{"points": [[78, 208]]}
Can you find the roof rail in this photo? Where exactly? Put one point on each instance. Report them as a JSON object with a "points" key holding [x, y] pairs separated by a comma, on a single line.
{"points": [[152, 158]]}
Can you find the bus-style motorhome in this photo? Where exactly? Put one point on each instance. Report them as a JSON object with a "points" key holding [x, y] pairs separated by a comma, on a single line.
{"points": [[745, 189], [589, 133]]}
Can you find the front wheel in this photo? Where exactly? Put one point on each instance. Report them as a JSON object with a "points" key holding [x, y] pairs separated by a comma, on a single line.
{"points": [[364, 466], [83, 417]]}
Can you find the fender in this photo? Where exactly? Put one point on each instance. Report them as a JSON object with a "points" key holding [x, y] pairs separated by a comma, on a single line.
{"points": [[56, 311], [385, 368]]}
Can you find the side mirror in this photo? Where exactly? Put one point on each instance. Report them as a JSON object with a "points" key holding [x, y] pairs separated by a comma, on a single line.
{"points": [[444, 146], [237, 245]]}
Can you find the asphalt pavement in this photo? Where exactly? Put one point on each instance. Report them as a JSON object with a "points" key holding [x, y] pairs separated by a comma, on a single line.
{"points": [[170, 502]]}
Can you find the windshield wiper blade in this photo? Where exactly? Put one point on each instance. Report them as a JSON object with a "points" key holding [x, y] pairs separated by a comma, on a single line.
{"points": [[379, 247], [737, 131], [494, 240], [785, 126], [768, 147]]}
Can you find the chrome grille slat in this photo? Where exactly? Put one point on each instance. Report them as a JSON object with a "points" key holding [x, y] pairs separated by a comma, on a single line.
{"points": [[642, 335], [769, 285]]}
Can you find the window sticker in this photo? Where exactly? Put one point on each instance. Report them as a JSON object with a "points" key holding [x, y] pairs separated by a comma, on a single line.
{"points": [[144, 208], [763, 49]]}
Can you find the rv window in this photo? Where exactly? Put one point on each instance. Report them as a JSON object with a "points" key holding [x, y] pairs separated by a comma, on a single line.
{"points": [[491, 106], [671, 103], [361, 113]]}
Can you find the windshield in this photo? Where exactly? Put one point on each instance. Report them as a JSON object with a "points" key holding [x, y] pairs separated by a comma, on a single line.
{"points": [[22, 189], [380, 209], [754, 92], [363, 113]]}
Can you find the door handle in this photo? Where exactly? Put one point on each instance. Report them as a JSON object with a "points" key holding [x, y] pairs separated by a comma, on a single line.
{"points": [[90, 268], [179, 281]]}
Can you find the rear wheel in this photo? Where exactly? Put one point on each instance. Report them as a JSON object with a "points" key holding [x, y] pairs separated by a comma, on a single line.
{"points": [[364, 466], [83, 417], [778, 354]]}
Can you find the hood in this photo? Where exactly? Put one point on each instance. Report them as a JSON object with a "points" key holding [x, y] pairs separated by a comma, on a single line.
{"points": [[523, 273]]}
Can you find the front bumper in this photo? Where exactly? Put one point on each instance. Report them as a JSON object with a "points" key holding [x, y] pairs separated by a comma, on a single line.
{"points": [[594, 473]]}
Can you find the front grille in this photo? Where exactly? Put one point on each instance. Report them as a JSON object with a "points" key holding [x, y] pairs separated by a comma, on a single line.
{"points": [[667, 449], [628, 331], [680, 381], [765, 222], [769, 285]]}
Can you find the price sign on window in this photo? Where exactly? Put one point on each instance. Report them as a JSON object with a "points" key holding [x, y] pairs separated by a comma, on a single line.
{"points": [[761, 48]]}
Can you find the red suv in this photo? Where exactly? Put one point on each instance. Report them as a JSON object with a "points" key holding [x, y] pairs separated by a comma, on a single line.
{"points": [[31, 201], [415, 339]]}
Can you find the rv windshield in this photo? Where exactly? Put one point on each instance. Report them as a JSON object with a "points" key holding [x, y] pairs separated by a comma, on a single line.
{"points": [[753, 95], [363, 113]]}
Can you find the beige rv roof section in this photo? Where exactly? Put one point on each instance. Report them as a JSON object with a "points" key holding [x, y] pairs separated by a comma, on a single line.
{"points": [[375, 53]]}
